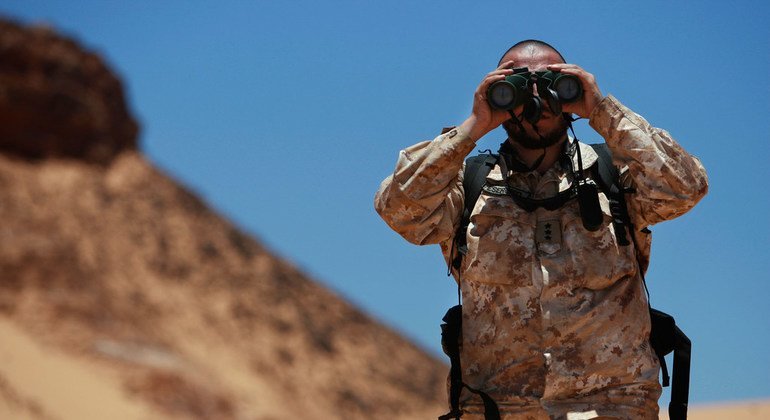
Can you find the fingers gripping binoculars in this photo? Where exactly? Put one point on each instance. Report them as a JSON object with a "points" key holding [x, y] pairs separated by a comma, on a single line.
{"points": [[517, 89]]}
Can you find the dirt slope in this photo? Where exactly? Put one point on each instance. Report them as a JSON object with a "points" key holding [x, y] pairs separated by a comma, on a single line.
{"points": [[124, 296]]}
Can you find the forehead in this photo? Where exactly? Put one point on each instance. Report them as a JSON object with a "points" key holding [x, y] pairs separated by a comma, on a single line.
{"points": [[534, 57]]}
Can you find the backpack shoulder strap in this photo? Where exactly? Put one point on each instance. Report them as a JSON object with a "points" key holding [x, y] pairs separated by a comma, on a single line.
{"points": [[608, 173], [474, 177], [665, 336], [609, 182]]}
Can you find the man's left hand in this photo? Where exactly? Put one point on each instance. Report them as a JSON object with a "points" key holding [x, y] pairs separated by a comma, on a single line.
{"points": [[591, 93]]}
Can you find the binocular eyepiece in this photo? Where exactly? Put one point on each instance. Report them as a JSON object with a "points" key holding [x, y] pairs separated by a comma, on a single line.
{"points": [[516, 89]]}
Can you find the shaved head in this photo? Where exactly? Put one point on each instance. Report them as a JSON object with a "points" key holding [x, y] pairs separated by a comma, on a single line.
{"points": [[531, 47]]}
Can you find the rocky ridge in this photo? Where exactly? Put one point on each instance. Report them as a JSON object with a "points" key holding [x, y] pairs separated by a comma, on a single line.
{"points": [[123, 295]]}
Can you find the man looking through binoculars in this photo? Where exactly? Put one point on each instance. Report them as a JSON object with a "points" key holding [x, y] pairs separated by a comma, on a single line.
{"points": [[555, 319], [552, 127]]}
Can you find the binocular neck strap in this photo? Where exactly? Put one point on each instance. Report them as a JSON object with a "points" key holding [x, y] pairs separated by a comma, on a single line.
{"points": [[578, 175], [511, 157]]}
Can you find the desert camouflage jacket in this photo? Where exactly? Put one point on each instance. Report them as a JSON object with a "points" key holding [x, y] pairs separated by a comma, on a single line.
{"points": [[551, 311]]}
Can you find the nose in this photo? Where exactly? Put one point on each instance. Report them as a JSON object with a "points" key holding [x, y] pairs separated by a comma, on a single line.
{"points": [[534, 87]]}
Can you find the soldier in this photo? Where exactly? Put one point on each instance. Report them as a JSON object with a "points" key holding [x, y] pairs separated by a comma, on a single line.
{"points": [[555, 316]]}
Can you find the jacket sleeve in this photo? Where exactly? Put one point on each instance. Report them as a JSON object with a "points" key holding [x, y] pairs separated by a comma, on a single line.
{"points": [[423, 199], [668, 181]]}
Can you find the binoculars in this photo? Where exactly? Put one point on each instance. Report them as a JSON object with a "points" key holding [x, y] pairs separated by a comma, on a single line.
{"points": [[553, 87]]}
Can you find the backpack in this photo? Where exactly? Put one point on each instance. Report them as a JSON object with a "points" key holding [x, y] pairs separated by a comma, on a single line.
{"points": [[665, 336]]}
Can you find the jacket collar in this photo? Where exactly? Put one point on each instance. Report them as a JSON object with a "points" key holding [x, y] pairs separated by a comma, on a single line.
{"points": [[569, 151]]}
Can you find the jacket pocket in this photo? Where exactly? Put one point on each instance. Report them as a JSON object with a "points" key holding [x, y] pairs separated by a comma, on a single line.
{"points": [[500, 241], [593, 260]]}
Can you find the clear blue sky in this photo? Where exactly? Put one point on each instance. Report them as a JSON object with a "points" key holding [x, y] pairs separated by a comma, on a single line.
{"points": [[286, 115]]}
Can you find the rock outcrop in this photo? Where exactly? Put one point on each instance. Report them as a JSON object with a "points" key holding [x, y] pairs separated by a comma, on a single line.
{"points": [[123, 295], [58, 100]]}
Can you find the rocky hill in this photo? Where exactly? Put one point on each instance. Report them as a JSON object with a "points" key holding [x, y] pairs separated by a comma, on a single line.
{"points": [[124, 296]]}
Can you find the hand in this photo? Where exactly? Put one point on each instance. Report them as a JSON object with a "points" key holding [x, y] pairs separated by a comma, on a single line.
{"points": [[591, 93], [484, 118]]}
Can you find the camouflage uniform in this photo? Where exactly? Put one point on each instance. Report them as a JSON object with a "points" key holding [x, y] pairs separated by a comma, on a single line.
{"points": [[555, 318]]}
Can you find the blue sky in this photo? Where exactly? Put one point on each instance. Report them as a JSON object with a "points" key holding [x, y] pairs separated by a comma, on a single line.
{"points": [[285, 117]]}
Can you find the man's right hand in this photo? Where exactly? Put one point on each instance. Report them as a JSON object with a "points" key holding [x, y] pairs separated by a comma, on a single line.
{"points": [[483, 117]]}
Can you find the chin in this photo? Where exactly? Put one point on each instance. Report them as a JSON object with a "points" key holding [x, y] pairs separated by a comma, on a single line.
{"points": [[553, 132]]}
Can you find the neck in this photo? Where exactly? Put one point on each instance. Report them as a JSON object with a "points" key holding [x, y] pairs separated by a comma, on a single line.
{"points": [[530, 156]]}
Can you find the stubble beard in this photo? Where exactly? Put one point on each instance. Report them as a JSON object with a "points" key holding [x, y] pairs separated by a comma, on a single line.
{"points": [[534, 142]]}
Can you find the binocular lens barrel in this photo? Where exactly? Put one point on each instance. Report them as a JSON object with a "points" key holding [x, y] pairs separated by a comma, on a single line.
{"points": [[568, 88], [502, 95]]}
